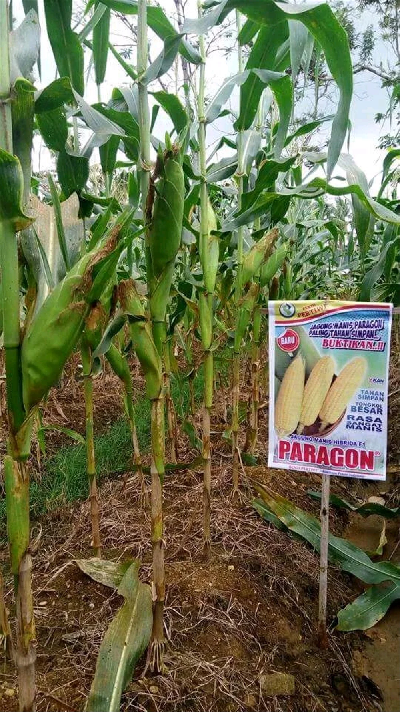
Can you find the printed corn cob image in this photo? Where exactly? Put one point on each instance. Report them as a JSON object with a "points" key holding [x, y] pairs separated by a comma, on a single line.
{"points": [[290, 398], [316, 406], [315, 391], [341, 392]]}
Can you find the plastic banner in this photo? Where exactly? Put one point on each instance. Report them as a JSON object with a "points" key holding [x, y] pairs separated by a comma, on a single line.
{"points": [[329, 364]]}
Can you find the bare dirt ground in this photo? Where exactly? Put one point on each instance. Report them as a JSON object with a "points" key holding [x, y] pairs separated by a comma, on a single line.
{"points": [[249, 612]]}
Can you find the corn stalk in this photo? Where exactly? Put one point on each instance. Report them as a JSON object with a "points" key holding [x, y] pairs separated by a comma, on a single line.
{"points": [[156, 650], [209, 249], [240, 235], [16, 474]]}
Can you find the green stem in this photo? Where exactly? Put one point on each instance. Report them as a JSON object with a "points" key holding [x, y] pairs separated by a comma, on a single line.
{"points": [[238, 282], [156, 649], [90, 456], [5, 87], [205, 304]]}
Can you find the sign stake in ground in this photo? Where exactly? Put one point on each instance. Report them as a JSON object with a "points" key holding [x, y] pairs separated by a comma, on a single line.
{"points": [[323, 562], [329, 364]]}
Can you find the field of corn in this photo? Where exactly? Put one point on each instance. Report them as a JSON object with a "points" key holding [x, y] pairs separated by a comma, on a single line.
{"points": [[149, 558]]}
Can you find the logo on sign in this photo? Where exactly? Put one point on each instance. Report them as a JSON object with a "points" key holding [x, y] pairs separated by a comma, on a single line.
{"points": [[288, 341]]}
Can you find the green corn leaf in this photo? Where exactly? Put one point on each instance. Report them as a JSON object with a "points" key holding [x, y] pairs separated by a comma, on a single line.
{"points": [[73, 172], [53, 128], [363, 220], [54, 96], [125, 641], [391, 156], [159, 23], [298, 35], [341, 552], [22, 108], [262, 56], [30, 5], [101, 32], [65, 431], [308, 128], [251, 144], [45, 263], [327, 32], [100, 10], [222, 170], [173, 107], [311, 190], [127, 67], [248, 31], [108, 154], [12, 192], [365, 510], [164, 61], [101, 126], [369, 608], [266, 177], [59, 223], [67, 49], [373, 275]]}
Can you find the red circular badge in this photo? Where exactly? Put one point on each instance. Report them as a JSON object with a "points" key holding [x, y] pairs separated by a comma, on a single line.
{"points": [[288, 341]]}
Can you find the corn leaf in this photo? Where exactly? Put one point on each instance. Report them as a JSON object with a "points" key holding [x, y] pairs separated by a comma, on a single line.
{"points": [[73, 172], [59, 223], [365, 510], [173, 107], [164, 61], [341, 552], [22, 108], [125, 641], [53, 128], [222, 170], [101, 32], [369, 608], [12, 191], [67, 49], [311, 190], [322, 24], [262, 56], [92, 22], [24, 46], [65, 431], [108, 573], [159, 23]]}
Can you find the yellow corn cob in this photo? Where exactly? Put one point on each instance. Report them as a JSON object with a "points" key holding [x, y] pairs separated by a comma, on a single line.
{"points": [[316, 388], [341, 391], [290, 398]]}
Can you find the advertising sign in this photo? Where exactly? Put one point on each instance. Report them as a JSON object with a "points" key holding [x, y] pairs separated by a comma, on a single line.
{"points": [[329, 363]]}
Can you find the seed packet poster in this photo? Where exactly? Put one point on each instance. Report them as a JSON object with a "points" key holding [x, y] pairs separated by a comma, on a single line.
{"points": [[329, 364]]}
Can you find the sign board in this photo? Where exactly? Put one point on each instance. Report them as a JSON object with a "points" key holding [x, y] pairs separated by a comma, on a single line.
{"points": [[329, 364]]}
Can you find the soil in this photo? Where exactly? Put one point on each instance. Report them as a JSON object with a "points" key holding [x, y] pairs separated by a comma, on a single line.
{"points": [[248, 612]]}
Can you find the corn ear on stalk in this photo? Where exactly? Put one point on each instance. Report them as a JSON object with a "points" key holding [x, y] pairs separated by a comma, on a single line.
{"points": [[209, 251], [56, 328], [315, 391], [246, 308], [142, 339], [258, 255], [273, 265], [341, 391], [290, 398]]}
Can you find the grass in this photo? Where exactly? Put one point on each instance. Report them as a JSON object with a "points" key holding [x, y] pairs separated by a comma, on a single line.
{"points": [[64, 479]]}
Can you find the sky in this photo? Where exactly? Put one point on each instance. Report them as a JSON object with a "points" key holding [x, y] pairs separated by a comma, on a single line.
{"points": [[368, 95]]}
